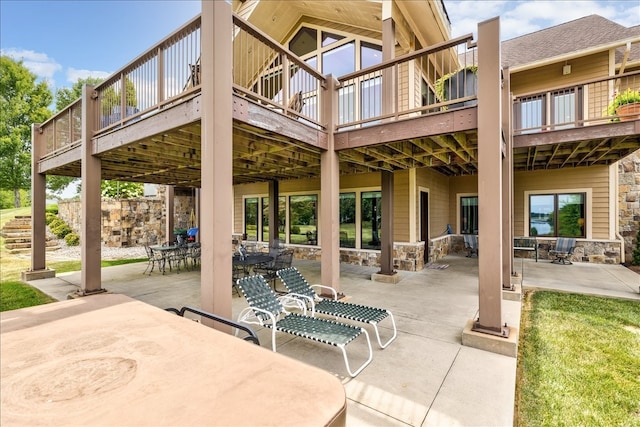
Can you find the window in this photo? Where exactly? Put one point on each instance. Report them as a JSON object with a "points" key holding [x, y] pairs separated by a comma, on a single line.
{"points": [[469, 215], [557, 215], [530, 115], [563, 109], [302, 217], [328, 38], [281, 218], [371, 219], [371, 98], [339, 61], [347, 220], [251, 218], [305, 41], [370, 54]]}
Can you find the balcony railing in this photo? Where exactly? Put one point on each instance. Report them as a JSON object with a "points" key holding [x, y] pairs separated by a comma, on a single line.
{"points": [[567, 107], [428, 80], [269, 74]]}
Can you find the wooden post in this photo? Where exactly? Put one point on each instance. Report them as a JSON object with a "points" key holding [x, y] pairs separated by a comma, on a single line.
{"points": [[490, 153], [91, 171], [217, 147]]}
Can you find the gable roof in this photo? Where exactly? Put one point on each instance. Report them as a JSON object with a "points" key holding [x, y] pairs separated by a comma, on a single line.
{"points": [[573, 36]]}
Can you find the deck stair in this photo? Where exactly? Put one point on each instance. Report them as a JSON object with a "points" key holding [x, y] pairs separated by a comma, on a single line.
{"points": [[17, 236]]}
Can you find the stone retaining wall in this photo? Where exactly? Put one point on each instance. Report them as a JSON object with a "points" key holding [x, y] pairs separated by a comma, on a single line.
{"points": [[130, 222], [629, 201]]}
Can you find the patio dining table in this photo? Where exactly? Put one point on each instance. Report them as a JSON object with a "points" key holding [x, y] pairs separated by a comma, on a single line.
{"points": [[251, 260]]}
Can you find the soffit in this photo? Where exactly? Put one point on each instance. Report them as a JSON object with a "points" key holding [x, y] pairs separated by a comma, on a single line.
{"points": [[278, 18]]}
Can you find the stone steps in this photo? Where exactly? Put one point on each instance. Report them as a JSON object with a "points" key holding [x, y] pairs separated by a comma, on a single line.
{"points": [[17, 236]]}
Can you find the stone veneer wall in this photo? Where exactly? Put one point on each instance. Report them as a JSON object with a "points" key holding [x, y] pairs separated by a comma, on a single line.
{"points": [[629, 201], [130, 222]]}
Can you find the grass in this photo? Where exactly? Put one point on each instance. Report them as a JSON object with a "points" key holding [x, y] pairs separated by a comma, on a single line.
{"points": [[15, 294], [579, 361]]}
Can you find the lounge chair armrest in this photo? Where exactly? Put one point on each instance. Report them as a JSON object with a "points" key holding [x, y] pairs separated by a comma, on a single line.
{"points": [[297, 301], [333, 291]]}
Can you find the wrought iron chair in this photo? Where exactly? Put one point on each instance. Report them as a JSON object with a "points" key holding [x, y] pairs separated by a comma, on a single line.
{"points": [[153, 259], [269, 271]]}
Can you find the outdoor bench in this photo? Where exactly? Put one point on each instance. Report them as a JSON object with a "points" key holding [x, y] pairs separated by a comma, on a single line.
{"points": [[529, 244]]}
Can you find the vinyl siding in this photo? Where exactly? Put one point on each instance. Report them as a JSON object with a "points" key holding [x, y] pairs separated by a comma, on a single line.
{"points": [[438, 187], [595, 178], [550, 76]]}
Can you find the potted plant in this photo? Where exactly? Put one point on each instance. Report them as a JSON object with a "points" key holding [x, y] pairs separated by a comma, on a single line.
{"points": [[626, 105], [458, 84]]}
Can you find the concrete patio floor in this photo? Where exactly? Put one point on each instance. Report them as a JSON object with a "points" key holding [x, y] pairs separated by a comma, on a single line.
{"points": [[426, 376]]}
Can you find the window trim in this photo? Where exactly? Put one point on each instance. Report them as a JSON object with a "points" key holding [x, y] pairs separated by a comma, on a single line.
{"points": [[459, 196]]}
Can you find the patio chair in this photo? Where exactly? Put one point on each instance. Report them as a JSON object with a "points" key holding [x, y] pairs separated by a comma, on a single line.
{"points": [[178, 256], [269, 271], [295, 283], [563, 250], [153, 259], [471, 244], [194, 253], [251, 335], [266, 309]]}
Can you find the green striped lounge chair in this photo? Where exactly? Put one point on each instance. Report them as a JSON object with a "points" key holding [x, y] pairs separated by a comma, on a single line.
{"points": [[298, 286], [266, 309]]}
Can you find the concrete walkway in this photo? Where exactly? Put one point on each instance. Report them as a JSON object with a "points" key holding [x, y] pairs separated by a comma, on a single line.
{"points": [[425, 377]]}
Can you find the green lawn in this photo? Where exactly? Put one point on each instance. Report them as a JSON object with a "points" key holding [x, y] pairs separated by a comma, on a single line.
{"points": [[15, 294], [579, 361]]}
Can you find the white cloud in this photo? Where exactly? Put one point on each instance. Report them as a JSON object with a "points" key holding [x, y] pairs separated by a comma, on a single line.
{"points": [[523, 17], [38, 63], [73, 74]]}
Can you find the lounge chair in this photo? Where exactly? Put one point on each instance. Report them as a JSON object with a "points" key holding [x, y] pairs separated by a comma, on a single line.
{"points": [[295, 283], [267, 310], [563, 250], [471, 244]]}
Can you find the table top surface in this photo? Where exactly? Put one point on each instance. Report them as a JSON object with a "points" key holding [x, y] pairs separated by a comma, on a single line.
{"points": [[251, 259], [111, 360]]}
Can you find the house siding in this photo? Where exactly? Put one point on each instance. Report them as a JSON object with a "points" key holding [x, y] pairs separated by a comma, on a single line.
{"points": [[595, 179]]}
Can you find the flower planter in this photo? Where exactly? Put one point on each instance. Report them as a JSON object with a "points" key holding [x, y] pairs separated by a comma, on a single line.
{"points": [[629, 112]]}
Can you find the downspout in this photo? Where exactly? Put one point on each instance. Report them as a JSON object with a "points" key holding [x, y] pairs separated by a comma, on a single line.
{"points": [[616, 184]]}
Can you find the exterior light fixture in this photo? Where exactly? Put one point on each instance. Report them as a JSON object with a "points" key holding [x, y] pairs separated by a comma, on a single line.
{"points": [[566, 69]]}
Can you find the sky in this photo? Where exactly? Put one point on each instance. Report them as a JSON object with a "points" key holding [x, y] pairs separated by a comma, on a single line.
{"points": [[61, 41]]}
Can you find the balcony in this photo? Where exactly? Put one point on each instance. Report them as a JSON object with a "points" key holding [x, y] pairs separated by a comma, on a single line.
{"points": [[145, 124], [571, 126]]}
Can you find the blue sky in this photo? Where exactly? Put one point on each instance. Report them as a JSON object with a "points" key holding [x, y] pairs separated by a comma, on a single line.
{"points": [[61, 41]]}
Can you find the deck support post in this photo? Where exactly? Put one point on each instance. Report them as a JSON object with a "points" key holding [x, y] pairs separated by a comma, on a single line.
{"points": [[38, 268], [91, 195], [329, 236], [217, 160], [490, 155], [274, 220]]}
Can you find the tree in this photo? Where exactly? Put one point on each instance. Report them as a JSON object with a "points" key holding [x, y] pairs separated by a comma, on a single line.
{"points": [[22, 102], [121, 189], [65, 96]]}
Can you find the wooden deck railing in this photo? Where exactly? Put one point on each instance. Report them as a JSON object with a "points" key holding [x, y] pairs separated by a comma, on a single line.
{"points": [[268, 73], [428, 80], [566, 107]]}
